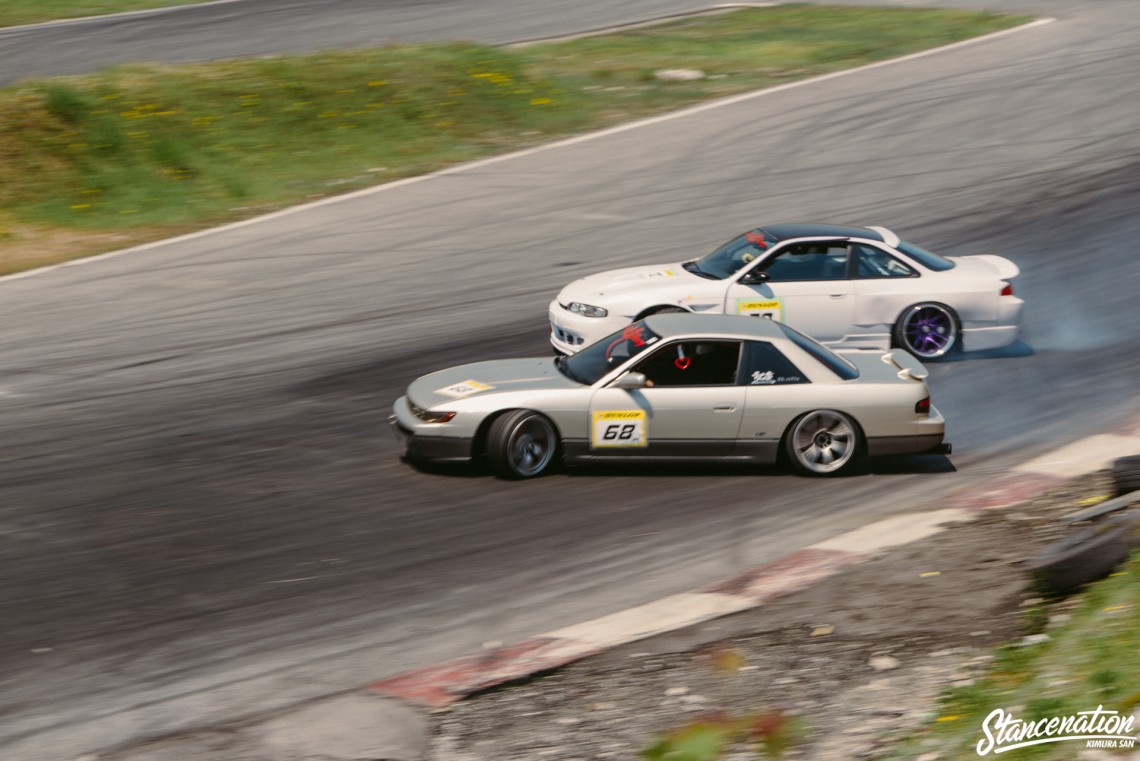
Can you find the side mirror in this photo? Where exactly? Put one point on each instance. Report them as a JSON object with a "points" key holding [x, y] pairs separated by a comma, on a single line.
{"points": [[630, 381], [755, 277]]}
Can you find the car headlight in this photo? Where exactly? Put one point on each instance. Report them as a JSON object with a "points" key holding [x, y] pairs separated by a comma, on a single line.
{"points": [[430, 416], [586, 310]]}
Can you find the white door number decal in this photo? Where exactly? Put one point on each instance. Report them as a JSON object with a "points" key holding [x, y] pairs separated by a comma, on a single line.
{"points": [[619, 428]]}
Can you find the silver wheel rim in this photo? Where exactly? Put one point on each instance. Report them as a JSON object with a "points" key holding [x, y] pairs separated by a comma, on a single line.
{"points": [[823, 442], [530, 446]]}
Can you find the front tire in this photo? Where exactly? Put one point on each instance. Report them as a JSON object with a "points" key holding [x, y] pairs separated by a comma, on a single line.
{"points": [[521, 444], [823, 443], [928, 331]]}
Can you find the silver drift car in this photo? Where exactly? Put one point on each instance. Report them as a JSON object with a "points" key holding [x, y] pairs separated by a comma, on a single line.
{"points": [[676, 387]]}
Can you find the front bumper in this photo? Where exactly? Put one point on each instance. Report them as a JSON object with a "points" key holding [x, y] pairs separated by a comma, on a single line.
{"points": [[570, 332], [426, 445]]}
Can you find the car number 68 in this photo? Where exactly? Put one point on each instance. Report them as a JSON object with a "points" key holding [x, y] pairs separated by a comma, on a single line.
{"points": [[618, 428]]}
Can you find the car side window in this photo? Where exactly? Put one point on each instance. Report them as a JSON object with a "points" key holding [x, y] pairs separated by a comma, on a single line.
{"points": [[765, 365], [692, 363], [808, 261], [876, 263]]}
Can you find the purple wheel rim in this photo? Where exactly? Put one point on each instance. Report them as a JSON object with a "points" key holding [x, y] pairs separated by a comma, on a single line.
{"points": [[929, 331]]}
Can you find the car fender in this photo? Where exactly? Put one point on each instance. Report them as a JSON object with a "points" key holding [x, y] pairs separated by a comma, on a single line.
{"points": [[879, 303], [566, 408]]}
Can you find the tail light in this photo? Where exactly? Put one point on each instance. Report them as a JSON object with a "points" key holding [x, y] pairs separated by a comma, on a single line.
{"points": [[922, 406], [1008, 290]]}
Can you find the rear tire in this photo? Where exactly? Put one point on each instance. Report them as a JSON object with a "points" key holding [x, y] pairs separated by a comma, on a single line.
{"points": [[521, 444], [928, 330], [823, 443]]}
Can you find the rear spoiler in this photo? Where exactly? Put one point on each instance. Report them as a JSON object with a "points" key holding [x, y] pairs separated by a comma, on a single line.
{"points": [[908, 365], [1006, 269]]}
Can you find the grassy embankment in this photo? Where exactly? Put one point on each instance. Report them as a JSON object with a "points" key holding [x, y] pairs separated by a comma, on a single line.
{"points": [[1091, 658], [141, 152], [17, 12]]}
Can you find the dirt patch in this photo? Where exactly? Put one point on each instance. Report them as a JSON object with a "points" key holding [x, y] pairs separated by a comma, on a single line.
{"points": [[860, 660], [24, 248], [27, 247]]}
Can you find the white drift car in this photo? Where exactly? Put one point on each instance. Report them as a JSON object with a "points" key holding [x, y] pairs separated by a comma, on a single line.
{"points": [[860, 287]]}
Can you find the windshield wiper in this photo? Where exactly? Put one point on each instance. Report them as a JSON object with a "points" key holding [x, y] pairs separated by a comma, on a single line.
{"points": [[692, 267]]}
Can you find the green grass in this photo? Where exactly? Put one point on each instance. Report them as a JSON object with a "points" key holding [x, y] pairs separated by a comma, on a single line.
{"points": [[1092, 659], [16, 12], [150, 149]]}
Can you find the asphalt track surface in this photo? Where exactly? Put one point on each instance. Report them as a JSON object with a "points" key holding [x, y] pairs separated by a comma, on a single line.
{"points": [[262, 27], [203, 515]]}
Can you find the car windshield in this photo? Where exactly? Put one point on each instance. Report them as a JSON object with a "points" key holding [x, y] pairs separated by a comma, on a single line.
{"points": [[726, 260], [589, 365], [927, 259], [833, 361]]}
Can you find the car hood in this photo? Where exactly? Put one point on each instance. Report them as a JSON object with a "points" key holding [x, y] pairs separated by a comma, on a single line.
{"points": [[600, 288], [986, 264], [483, 378]]}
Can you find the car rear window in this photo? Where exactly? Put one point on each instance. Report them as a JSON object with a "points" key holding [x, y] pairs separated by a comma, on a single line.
{"points": [[833, 361], [765, 365], [927, 259]]}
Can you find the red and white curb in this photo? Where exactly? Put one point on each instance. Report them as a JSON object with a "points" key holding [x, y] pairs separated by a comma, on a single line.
{"points": [[439, 685]]}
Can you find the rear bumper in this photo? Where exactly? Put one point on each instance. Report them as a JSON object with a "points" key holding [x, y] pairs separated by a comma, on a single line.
{"points": [[1002, 333], [980, 339], [888, 445], [926, 435]]}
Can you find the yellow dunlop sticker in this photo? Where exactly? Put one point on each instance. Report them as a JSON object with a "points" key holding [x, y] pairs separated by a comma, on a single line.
{"points": [[465, 388], [618, 428], [658, 273], [773, 309]]}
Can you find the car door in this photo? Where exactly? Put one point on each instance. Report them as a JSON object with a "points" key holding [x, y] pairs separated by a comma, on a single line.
{"points": [[691, 406], [804, 285], [776, 391], [884, 287]]}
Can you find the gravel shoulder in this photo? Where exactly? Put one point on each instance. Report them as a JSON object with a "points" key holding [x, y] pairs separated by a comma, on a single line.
{"points": [[861, 659]]}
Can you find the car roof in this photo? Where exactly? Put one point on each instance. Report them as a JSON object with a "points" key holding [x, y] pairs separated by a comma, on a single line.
{"points": [[672, 324], [810, 230]]}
